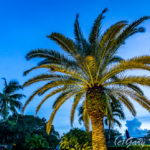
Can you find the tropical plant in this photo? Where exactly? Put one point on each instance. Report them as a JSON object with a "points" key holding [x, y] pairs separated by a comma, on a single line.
{"points": [[90, 70], [10, 99], [76, 139]]}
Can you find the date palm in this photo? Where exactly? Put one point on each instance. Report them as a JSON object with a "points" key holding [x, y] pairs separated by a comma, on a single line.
{"points": [[10, 99], [89, 70]]}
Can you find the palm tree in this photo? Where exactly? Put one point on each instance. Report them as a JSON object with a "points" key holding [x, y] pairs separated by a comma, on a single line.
{"points": [[10, 99], [89, 70]]}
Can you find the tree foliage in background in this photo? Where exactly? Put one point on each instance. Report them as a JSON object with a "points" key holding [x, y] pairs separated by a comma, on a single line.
{"points": [[90, 70], [36, 142], [10, 98], [17, 129]]}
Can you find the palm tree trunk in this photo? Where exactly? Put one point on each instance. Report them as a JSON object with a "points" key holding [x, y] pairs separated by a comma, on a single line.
{"points": [[98, 138]]}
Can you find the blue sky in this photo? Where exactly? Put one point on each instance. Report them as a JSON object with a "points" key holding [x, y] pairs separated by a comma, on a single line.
{"points": [[24, 25]]}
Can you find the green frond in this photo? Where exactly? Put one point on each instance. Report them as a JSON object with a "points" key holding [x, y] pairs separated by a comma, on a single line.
{"points": [[75, 103], [51, 57], [77, 30], [93, 37], [57, 106], [127, 103], [49, 123], [65, 43], [106, 43], [142, 80], [69, 84], [127, 32], [37, 67], [143, 101], [47, 97], [31, 97], [109, 112], [130, 86], [86, 119], [43, 53], [66, 94], [72, 72], [135, 88], [82, 46], [46, 77], [123, 66], [62, 62], [47, 86], [141, 59]]}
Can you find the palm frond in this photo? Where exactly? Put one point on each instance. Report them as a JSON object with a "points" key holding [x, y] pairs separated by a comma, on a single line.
{"points": [[130, 30], [75, 103], [123, 66], [49, 123], [86, 119], [47, 97], [106, 42], [127, 103], [93, 37], [142, 80], [65, 43]]}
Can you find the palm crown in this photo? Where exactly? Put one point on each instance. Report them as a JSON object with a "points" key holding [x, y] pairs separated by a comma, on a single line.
{"points": [[90, 69]]}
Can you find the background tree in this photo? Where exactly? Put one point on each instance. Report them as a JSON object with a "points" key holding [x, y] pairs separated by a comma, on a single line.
{"points": [[36, 142], [17, 129], [90, 69], [10, 98]]}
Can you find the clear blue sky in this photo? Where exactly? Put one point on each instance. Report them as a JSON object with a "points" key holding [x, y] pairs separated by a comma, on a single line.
{"points": [[24, 25]]}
